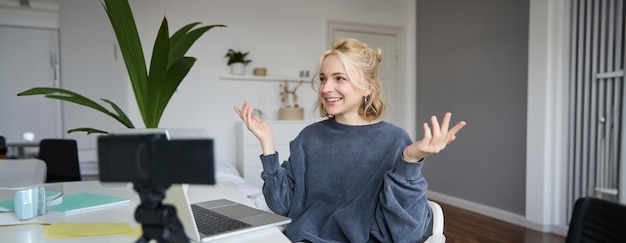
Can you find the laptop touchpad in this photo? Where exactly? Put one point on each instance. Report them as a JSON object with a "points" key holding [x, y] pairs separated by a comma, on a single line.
{"points": [[236, 211]]}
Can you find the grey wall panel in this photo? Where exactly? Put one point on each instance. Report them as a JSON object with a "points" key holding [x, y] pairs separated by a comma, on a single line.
{"points": [[472, 59]]}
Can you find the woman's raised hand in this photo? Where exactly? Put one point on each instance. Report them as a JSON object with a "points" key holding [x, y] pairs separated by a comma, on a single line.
{"points": [[261, 129], [434, 141]]}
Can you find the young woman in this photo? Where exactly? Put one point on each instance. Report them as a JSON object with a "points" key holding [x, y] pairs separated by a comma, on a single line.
{"points": [[351, 177]]}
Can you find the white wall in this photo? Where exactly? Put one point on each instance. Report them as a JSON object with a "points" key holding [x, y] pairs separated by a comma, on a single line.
{"points": [[89, 66], [546, 159], [282, 35]]}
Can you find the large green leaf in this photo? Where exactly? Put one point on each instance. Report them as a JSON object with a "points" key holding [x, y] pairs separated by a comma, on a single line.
{"points": [[158, 70], [88, 130], [66, 95], [182, 41], [120, 113], [153, 90], [175, 75], [182, 31], [123, 24]]}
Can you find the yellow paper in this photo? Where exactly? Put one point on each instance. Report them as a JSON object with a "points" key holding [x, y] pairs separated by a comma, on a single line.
{"points": [[70, 230]]}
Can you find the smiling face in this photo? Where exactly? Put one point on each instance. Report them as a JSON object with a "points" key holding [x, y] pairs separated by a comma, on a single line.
{"points": [[339, 95], [348, 73]]}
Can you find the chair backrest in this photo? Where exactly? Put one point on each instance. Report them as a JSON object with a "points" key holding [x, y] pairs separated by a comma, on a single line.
{"points": [[22, 172], [61, 156], [3, 148], [436, 234], [597, 220]]}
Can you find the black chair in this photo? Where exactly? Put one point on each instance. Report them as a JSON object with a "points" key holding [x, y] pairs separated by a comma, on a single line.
{"points": [[3, 148], [61, 156], [597, 220]]}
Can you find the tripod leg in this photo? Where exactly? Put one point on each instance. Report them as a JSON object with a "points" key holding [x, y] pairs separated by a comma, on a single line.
{"points": [[174, 227], [158, 221]]}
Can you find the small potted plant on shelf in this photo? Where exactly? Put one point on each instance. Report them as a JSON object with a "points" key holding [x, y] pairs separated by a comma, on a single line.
{"points": [[237, 61]]}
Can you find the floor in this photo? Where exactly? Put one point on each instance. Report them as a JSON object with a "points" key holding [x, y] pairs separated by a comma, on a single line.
{"points": [[468, 227]]}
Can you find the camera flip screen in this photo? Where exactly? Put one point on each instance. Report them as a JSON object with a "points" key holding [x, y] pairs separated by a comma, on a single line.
{"points": [[153, 159]]}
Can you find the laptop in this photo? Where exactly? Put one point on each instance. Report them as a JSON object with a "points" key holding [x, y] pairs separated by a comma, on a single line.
{"points": [[249, 218]]}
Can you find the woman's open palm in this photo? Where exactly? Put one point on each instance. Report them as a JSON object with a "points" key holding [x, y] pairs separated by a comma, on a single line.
{"points": [[434, 140], [261, 129]]}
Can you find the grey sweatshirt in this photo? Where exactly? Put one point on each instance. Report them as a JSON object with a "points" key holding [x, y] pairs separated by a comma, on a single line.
{"points": [[348, 184]]}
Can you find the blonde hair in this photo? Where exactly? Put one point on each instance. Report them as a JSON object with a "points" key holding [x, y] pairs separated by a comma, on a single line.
{"points": [[361, 64]]}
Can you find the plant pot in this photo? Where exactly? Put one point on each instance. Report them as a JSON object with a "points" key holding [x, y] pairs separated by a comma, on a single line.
{"points": [[237, 69]]}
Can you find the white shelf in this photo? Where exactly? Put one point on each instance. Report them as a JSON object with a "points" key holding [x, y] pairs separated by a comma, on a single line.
{"points": [[264, 78]]}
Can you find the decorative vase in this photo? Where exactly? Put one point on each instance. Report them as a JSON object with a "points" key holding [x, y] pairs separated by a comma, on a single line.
{"points": [[237, 68]]}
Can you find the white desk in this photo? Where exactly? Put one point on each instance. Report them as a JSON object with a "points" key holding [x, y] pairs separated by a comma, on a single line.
{"points": [[33, 233]]}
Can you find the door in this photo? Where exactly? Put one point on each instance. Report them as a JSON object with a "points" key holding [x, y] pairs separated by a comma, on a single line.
{"points": [[390, 71], [29, 58]]}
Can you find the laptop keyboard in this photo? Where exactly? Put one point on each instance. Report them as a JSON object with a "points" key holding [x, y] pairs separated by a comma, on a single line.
{"points": [[210, 223]]}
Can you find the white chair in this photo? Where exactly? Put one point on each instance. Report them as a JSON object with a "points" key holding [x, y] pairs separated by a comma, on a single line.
{"points": [[22, 172], [437, 235]]}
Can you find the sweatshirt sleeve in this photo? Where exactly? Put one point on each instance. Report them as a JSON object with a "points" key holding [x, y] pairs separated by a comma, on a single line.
{"points": [[402, 214], [278, 187]]}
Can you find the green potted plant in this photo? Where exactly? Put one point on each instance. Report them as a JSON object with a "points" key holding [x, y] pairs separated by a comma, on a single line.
{"points": [[153, 88], [237, 61]]}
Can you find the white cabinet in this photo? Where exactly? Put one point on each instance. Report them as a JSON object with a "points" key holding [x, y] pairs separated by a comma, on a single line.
{"points": [[249, 149]]}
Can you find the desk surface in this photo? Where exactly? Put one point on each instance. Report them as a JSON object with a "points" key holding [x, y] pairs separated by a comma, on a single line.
{"points": [[33, 232]]}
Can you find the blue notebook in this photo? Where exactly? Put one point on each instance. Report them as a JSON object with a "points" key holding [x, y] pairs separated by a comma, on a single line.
{"points": [[86, 202]]}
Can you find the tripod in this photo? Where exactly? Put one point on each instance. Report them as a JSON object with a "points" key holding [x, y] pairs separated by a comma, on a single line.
{"points": [[158, 221]]}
